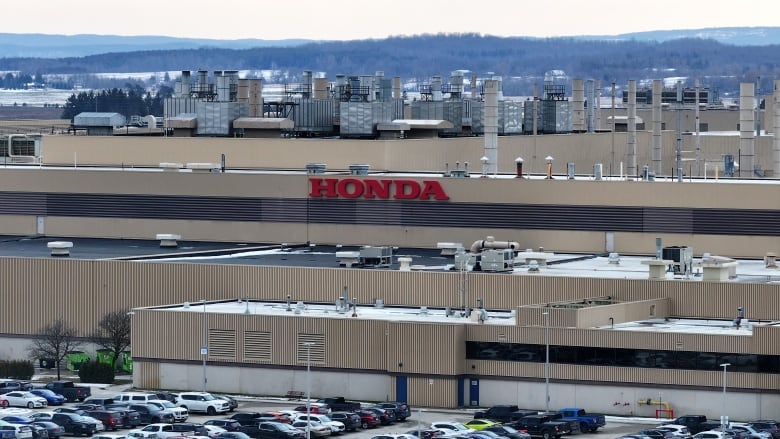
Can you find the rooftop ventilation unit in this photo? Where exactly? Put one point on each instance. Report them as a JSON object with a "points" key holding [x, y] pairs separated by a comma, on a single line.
{"points": [[359, 169], [682, 257], [457, 172], [497, 260], [375, 256]]}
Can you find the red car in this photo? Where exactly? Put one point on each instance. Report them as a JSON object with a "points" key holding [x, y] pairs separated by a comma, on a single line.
{"points": [[316, 408], [367, 419]]}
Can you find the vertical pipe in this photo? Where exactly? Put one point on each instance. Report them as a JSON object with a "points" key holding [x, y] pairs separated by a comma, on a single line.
{"points": [[632, 170], [614, 126], [491, 125], [746, 127], [546, 362], [474, 91], [396, 87], [657, 88], [590, 97], [204, 349], [578, 103], [698, 128], [678, 110], [308, 388], [597, 107], [536, 109], [320, 88], [776, 134]]}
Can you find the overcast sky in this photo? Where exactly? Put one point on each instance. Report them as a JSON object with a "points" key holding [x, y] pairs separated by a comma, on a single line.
{"points": [[350, 20]]}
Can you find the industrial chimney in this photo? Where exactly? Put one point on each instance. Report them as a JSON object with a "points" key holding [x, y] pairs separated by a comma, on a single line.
{"points": [[631, 156], [578, 105], [747, 126], [657, 89], [776, 138], [491, 125]]}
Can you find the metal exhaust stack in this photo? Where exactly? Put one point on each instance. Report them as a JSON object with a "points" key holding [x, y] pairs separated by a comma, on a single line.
{"points": [[657, 88], [747, 126], [186, 84], [396, 87], [321, 88], [491, 125], [698, 131], [590, 95], [776, 139], [578, 104], [474, 91], [597, 107], [632, 170]]}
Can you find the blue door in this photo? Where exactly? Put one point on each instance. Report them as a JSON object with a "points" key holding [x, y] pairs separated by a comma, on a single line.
{"points": [[474, 391], [400, 388]]}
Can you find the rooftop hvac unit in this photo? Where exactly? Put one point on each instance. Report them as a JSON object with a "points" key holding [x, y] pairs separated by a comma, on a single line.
{"points": [[497, 260], [682, 257], [375, 256]]}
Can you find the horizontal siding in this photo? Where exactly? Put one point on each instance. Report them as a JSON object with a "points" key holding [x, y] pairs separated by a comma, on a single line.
{"points": [[752, 222]]}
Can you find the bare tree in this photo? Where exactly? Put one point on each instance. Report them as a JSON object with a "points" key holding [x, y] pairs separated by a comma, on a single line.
{"points": [[54, 341], [113, 333]]}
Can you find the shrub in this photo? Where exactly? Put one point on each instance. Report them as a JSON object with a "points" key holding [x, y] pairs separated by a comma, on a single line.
{"points": [[96, 372], [17, 369]]}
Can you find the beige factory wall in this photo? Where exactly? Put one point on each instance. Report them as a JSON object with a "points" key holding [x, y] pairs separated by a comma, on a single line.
{"points": [[425, 155]]}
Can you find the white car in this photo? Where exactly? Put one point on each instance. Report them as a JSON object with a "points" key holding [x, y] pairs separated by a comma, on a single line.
{"points": [[155, 431], [109, 436], [712, 434], [750, 430], [213, 430], [315, 428], [21, 431], [41, 416], [23, 399], [678, 431], [336, 427], [202, 402], [452, 427], [180, 414]]}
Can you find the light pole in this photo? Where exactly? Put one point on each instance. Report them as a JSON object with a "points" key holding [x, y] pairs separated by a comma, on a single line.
{"points": [[546, 361], [204, 349], [724, 420], [308, 345]]}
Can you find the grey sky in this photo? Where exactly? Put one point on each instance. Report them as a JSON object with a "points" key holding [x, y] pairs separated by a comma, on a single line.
{"points": [[330, 20]]}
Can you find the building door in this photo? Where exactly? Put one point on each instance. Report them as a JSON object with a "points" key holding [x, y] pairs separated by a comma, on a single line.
{"points": [[474, 391], [400, 388]]}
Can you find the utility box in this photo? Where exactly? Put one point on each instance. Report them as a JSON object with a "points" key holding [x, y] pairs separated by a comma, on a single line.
{"points": [[682, 257], [375, 256], [497, 260]]}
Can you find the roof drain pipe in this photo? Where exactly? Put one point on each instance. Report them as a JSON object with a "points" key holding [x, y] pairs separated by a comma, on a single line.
{"points": [[490, 242]]}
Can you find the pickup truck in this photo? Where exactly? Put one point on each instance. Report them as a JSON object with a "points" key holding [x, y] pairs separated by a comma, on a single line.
{"points": [[69, 390], [588, 422], [339, 404], [503, 413], [695, 423], [541, 426]]}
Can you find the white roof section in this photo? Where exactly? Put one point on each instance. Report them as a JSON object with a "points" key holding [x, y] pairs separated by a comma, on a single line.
{"points": [[690, 326]]}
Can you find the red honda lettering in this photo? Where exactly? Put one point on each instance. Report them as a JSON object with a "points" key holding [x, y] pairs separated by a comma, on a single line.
{"points": [[406, 189], [350, 188], [433, 188], [323, 187], [378, 188]]}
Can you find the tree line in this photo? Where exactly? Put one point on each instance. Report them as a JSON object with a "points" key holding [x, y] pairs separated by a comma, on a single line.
{"points": [[128, 102]]}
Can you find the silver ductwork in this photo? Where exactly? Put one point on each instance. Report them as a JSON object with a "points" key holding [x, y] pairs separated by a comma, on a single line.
{"points": [[657, 89], [747, 126], [491, 243], [632, 169]]}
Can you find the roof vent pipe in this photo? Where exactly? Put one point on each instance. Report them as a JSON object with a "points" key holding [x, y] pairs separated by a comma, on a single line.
{"points": [[632, 169], [597, 171], [657, 88], [490, 242], [747, 126], [776, 137], [436, 88], [491, 125]]}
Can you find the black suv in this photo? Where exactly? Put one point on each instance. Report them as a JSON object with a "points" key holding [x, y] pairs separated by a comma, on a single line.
{"points": [[130, 418], [151, 414], [278, 430], [351, 420], [111, 420], [770, 426], [73, 424], [402, 409]]}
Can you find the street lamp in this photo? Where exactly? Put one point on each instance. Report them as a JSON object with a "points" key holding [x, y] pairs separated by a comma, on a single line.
{"points": [[724, 420], [204, 349], [308, 345], [546, 361]]}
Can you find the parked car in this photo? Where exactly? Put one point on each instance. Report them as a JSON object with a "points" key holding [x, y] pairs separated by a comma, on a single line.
{"points": [[13, 385], [130, 417], [505, 430], [39, 432], [202, 402], [678, 431], [20, 431], [74, 424], [278, 430], [226, 424], [21, 398], [96, 422], [180, 414], [213, 431], [402, 409], [480, 424], [752, 431], [336, 427], [151, 414], [69, 390], [770, 426], [18, 419], [381, 415], [316, 429], [274, 416], [53, 429], [232, 403], [191, 429], [314, 407], [158, 430], [351, 420], [50, 397], [234, 435], [111, 420], [654, 433], [711, 434], [367, 419], [452, 427]]}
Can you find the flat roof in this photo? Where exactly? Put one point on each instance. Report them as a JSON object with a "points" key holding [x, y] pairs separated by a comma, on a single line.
{"points": [[333, 256]]}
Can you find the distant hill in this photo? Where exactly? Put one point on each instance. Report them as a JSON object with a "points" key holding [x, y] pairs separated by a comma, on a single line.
{"points": [[736, 36], [67, 46]]}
